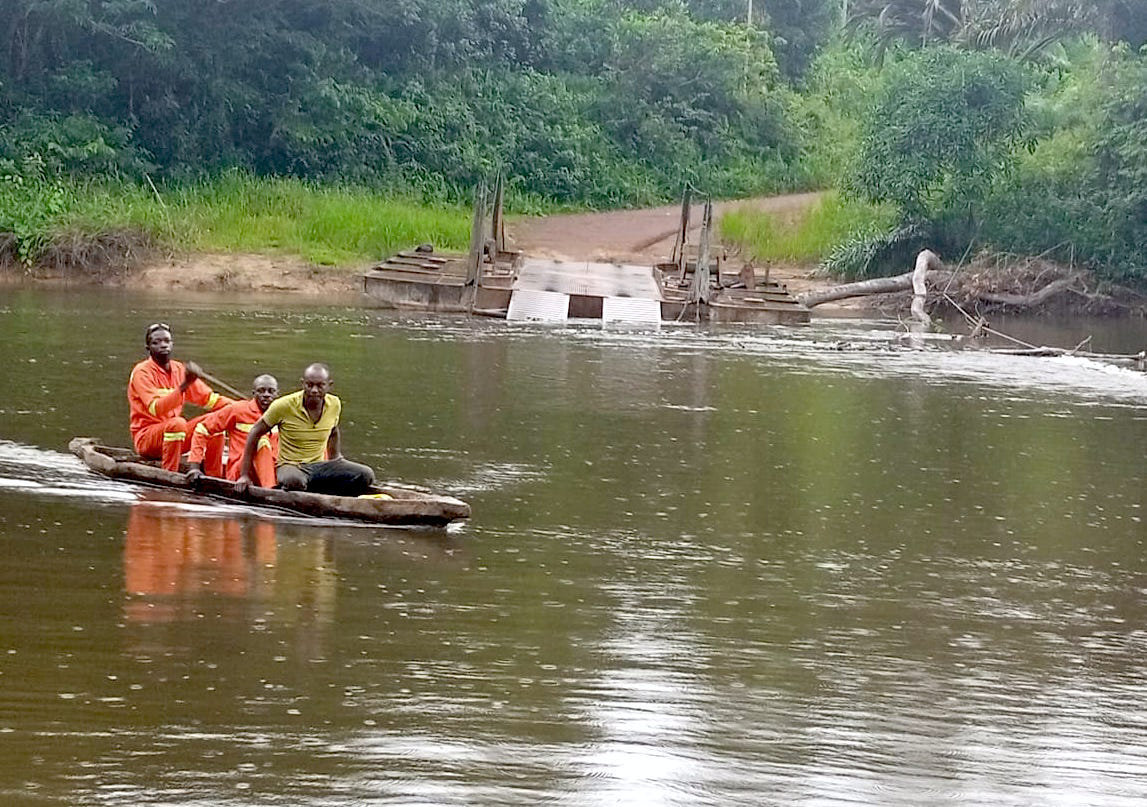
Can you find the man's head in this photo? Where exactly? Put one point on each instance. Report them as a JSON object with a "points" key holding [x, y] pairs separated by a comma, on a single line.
{"points": [[264, 389], [316, 383], [157, 337]]}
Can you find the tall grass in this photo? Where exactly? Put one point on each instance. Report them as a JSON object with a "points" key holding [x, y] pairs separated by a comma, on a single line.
{"points": [[241, 213], [803, 237]]}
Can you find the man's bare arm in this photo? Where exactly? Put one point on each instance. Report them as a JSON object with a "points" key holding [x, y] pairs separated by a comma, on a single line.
{"points": [[249, 450]]}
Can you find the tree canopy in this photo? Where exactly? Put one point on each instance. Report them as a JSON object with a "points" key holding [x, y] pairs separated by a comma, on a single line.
{"points": [[944, 123], [586, 100]]}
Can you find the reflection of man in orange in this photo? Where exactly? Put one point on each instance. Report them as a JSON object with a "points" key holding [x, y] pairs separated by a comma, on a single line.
{"points": [[235, 421], [169, 554], [155, 394]]}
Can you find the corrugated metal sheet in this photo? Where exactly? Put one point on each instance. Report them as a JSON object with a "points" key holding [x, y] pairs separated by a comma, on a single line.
{"points": [[588, 279], [530, 305], [631, 311]]}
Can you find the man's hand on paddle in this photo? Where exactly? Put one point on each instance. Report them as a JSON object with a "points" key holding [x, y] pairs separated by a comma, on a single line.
{"points": [[193, 371]]}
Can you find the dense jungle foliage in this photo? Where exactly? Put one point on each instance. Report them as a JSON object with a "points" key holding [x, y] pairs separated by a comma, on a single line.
{"points": [[1014, 124]]}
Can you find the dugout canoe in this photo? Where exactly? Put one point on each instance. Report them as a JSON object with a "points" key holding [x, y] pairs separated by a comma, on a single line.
{"points": [[399, 506]]}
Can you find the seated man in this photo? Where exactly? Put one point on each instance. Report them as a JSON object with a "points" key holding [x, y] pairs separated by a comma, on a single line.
{"points": [[235, 421], [308, 422], [156, 391]]}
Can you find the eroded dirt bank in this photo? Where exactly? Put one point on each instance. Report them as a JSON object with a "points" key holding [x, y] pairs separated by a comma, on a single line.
{"points": [[209, 272]]}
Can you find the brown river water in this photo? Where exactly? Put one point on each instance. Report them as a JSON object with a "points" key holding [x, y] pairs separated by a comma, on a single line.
{"points": [[706, 566]]}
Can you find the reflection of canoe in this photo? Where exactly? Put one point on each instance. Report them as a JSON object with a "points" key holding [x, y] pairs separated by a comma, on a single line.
{"points": [[387, 505]]}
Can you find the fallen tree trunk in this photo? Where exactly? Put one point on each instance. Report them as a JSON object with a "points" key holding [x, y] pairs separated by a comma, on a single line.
{"points": [[1035, 298], [863, 288], [1137, 359], [1020, 288]]}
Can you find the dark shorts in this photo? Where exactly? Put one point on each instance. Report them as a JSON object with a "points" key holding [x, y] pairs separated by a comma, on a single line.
{"points": [[339, 477]]}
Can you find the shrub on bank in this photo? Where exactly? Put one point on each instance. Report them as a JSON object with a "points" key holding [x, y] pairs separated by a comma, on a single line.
{"points": [[973, 153], [233, 212], [806, 236], [1080, 195], [32, 208]]}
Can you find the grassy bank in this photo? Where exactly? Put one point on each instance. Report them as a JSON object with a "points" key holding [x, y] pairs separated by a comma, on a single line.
{"points": [[86, 226], [805, 237], [231, 213]]}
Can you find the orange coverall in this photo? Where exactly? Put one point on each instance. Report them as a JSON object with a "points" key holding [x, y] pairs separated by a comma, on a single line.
{"points": [[235, 421], [158, 429]]}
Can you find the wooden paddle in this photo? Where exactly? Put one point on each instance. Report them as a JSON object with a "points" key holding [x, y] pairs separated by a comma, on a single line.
{"points": [[223, 385]]}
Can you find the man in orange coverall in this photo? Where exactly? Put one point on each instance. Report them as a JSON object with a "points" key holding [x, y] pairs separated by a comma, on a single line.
{"points": [[235, 420], [155, 393]]}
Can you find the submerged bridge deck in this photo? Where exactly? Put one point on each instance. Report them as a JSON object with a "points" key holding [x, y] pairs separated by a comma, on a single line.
{"points": [[538, 289]]}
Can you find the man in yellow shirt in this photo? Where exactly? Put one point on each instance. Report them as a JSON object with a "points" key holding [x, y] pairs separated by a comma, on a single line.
{"points": [[310, 455]]}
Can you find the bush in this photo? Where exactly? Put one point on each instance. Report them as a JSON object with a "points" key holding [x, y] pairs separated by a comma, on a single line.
{"points": [[32, 208], [1081, 193], [944, 126], [1121, 161], [1046, 206], [877, 252], [807, 237], [536, 128], [75, 145], [838, 90]]}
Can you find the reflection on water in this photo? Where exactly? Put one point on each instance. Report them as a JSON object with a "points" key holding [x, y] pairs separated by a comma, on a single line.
{"points": [[169, 556], [652, 698], [179, 565], [707, 566]]}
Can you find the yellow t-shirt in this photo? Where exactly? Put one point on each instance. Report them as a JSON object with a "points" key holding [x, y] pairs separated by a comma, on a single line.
{"points": [[300, 438]]}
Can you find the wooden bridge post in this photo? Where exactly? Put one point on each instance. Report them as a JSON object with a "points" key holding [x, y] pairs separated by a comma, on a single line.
{"points": [[477, 236], [477, 244], [497, 224], [702, 274], [679, 256]]}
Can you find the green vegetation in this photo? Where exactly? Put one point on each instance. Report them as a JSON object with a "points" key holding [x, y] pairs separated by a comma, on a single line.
{"points": [[589, 101], [806, 237], [325, 225], [978, 150], [342, 129], [234, 212], [943, 124], [1081, 192]]}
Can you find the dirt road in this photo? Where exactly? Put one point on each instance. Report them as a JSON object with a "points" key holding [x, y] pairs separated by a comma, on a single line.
{"points": [[637, 236]]}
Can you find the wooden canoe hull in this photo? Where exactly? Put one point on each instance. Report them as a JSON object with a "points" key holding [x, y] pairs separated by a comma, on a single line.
{"points": [[406, 507]]}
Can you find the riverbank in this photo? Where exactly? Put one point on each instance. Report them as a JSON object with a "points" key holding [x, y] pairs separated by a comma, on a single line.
{"points": [[103, 230], [210, 272], [268, 254], [246, 272], [1031, 286], [304, 263]]}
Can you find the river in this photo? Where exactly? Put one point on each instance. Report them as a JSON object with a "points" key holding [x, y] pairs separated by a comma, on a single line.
{"points": [[706, 566]]}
